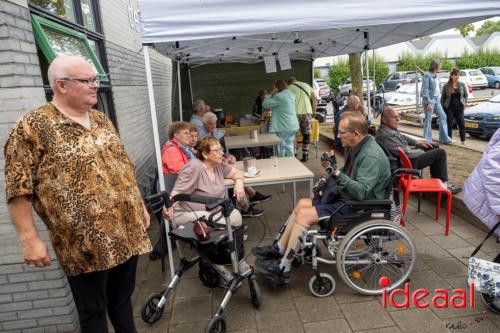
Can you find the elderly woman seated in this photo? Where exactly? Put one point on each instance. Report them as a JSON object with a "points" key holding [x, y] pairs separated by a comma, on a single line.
{"points": [[205, 176], [210, 127], [177, 152]]}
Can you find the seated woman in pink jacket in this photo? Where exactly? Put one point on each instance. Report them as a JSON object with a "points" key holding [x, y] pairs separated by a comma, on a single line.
{"points": [[176, 152]]}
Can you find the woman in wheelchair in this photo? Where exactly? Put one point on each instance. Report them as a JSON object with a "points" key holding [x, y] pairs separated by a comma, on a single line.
{"points": [[366, 175], [205, 176]]}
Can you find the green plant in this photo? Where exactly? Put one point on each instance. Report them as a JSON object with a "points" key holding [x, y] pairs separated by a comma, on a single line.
{"points": [[480, 58], [338, 73], [317, 74], [488, 27], [408, 61], [381, 70]]}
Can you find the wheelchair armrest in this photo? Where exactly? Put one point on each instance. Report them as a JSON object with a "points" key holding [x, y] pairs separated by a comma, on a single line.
{"points": [[382, 203], [413, 172]]}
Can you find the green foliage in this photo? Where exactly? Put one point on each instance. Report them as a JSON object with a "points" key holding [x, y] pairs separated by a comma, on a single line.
{"points": [[480, 58], [408, 61], [317, 74], [488, 27], [338, 73], [465, 29]]}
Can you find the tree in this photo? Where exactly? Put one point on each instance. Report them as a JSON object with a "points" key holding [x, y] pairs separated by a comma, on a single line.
{"points": [[488, 27], [317, 74], [338, 73], [356, 74], [465, 29]]}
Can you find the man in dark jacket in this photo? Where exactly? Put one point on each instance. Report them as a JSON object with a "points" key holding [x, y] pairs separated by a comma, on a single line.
{"points": [[423, 154]]}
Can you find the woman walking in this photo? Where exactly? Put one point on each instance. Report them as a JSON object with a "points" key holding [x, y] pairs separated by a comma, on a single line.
{"points": [[431, 93], [453, 99]]}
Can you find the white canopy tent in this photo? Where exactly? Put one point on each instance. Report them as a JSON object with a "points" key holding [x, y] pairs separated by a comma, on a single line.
{"points": [[201, 32]]}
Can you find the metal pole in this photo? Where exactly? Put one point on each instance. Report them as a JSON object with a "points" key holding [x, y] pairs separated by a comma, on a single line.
{"points": [[180, 88], [190, 84], [367, 81], [374, 78], [156, 137], [417, 104]]}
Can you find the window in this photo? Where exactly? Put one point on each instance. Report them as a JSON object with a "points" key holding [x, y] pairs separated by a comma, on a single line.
{"points": [[53, 39], [462, 73], [64, 9]]}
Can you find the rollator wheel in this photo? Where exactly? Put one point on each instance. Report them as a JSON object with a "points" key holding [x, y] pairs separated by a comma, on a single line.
{"points": [[323, 288], [254, 291], [374, 249], [216, 325], [150, 311], [208, 275], [492, 302]]}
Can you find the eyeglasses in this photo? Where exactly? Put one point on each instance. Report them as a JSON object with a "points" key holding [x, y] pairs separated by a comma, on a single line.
{"points": [[395, 117], [219, 150], [92, 80]]}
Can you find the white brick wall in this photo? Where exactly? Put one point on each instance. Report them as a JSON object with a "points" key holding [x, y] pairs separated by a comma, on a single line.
{"points": [[116, 25]]}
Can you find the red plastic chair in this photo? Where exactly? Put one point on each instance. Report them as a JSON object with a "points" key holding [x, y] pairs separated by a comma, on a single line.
{"points": [[411, 184]]}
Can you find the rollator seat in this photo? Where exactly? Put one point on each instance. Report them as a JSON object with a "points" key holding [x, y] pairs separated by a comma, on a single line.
{"points": [[186, 233]]}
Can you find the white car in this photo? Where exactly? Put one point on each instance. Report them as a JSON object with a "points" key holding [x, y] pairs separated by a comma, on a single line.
{"points": [[345, 89], [474, 77], [406, 95]]}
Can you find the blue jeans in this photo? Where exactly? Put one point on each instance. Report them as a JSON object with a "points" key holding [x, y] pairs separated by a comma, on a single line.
{"points": [[287, 146], [443, 125]]}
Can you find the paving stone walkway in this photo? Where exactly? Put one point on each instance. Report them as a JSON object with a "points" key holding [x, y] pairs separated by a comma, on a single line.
{"points": [[440, 264]]}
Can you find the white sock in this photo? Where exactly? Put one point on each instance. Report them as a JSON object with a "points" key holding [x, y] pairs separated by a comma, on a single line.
{"points": [[281, 248], [285, 264]]}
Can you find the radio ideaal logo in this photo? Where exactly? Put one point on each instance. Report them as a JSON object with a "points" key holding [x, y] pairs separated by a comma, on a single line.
{"points": [[440, 297]]}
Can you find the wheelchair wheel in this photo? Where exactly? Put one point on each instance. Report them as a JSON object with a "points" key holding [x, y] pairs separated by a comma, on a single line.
{"points": [[372, 250], [216, 325], [491, 302], [323, 288], [150, 311], [208, 275], [254, 291]]}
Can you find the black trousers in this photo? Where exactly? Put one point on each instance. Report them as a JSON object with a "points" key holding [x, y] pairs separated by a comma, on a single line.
{"points": [[458, 115], [435, 159], [110, 290]]}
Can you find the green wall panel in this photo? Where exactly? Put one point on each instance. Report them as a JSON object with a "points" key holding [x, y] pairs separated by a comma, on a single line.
{"points": [[235, 86]]}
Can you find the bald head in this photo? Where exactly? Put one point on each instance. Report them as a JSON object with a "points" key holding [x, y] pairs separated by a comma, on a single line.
{"points": [[64, 65]]}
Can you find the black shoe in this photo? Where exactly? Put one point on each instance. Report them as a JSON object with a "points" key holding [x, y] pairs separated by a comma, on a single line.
{"points": [[252, 212], [272, 271], [454, 189], [267, 252], [304, 158], [259, 197]]}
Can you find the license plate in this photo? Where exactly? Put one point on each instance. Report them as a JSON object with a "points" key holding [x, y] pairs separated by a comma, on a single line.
{"points": [[471, 125]]}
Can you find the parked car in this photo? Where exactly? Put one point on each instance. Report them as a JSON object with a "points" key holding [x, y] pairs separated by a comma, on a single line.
{"points": [[397, 79], [483, 119], [406, 95], [315, 87], [443, 77], [492, 75], [345, 89], [324, 90], [474, 77]]}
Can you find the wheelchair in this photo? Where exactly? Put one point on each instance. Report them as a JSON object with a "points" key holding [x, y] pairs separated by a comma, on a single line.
{"points": [[365, 246], [223, 245]]}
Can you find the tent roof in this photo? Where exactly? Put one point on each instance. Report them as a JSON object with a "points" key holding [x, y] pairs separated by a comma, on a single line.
{"points": [[215, 31]]}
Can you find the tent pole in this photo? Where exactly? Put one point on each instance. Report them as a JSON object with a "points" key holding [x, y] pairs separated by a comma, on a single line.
{"points": [[367, 47], [374, 79], [180, 88], [190, 84], [156, 138]]}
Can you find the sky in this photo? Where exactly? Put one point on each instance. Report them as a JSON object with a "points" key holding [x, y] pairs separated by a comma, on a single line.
{"points": [[477, 25]]}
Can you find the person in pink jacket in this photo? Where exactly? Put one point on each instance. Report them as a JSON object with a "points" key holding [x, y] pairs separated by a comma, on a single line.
{"points": [[176, 152], [482, 188]]}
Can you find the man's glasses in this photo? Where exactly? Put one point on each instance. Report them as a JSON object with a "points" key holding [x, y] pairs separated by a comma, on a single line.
{"points": [[90, 81], [342, 133]]}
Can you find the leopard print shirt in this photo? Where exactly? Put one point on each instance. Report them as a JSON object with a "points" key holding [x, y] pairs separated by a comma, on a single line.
{"points": [[82, 185]]}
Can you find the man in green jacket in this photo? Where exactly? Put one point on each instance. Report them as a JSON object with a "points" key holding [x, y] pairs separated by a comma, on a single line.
{"points": [[366, 175]]}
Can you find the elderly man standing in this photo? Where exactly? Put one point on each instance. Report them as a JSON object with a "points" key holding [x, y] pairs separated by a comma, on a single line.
{"points": [[199, 110], [305, 107], [423, 154], [67, 162]]}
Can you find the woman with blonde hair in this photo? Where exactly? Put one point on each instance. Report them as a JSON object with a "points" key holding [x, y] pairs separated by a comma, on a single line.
{"points": [[453, 99]]}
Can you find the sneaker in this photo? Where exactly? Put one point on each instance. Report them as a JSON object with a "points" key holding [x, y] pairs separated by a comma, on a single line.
{"points": [[272, 271], [453, 188], [259, 197], [267, 252], [252, 212]]}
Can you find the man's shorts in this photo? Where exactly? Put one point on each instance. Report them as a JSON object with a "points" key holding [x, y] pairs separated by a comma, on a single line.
{"points": [[328, 209], [305, 123]]}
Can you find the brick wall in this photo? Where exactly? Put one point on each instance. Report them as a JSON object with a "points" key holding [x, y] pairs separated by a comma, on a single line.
{"points": [[31, 300]]}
